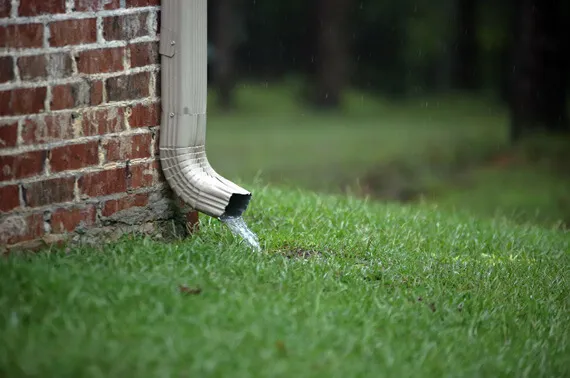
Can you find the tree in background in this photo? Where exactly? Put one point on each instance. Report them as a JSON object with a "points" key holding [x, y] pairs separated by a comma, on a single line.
{"points": [[331, 63], [226, 41], [539, 75], [466, 48]]}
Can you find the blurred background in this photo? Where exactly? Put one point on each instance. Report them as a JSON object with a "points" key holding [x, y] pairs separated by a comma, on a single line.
{"points": [[460, 104]]}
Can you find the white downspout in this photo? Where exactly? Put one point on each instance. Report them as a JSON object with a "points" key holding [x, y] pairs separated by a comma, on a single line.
{"points": [[183, 50]]}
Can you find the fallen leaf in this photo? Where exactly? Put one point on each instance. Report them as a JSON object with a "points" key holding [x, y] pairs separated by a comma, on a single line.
{"points": [[189, 290]]}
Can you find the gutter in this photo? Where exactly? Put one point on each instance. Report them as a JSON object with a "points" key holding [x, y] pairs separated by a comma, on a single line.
{"points": [[183, 50]]}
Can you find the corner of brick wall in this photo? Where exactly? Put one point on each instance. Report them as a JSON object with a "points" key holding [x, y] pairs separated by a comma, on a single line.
{"points": [[79, 122]]}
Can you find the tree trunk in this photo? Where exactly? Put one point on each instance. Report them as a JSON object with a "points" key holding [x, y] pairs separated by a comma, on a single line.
{"points": [[225, 46], [332, 52], [465, 71], [540, 69]]}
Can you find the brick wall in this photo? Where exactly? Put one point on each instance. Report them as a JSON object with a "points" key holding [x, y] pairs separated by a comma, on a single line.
{"points": [[79, 119]]}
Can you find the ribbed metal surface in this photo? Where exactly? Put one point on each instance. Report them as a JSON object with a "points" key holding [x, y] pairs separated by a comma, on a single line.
{"points": [[183, 47]]}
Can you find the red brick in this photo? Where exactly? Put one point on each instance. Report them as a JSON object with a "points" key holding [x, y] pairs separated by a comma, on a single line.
{"points": [[73, 32], [127, 202], [103, 183], [37, 7], [128, 147], [111, 4], [74, 156], [145, 115], [22, 101], [103, 121], [193, 221], [95, 5], [128, 87], [19, 228], [56, 66], [6, 69], [48, 128], [70, 96], [9, 135], [96, 92], [32, 67], [100, 60], [10, 196], [144, 54], [47, 192], [23, 165], [67, 220], [5, 8], [22, 36], [143, 175], [142, 3], [125, 27]]}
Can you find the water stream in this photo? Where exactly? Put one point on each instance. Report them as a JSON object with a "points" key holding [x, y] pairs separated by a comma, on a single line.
{"points": [[238, 227]]}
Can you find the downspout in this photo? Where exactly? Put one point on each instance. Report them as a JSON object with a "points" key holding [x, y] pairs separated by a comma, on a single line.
{"points": [[183, 50]]}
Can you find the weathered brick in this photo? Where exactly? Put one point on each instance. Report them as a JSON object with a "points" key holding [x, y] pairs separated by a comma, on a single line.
{"points": [[95, 5], [22, 101], [125, 27], [74, 156], [156, 143], [41, 193], [128, 87], [21, 36], [73, 32], [36, 7], [10, 196], [102, 183], [69, 219], [5, 8], [103, 121], [126, 202], [70, 96], [32, 67], [48, 128], [55, 66], [128, 147], [96, 92], [6, 69], [100, 60], [143, 175], [144, 54], [22, 165], [18, 228], [145, 115], [8, 134], [59, 65], [142, 3]]}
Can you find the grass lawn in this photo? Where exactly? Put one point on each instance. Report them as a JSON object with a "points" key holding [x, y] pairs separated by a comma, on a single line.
{"points": [[440, 147], [344, 287]]}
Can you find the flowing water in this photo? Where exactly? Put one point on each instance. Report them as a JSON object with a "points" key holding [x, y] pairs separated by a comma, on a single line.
{"points": [[238, 227]]}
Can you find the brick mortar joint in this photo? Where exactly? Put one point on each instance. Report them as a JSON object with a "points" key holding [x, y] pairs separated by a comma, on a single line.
{"points": [[20, 52], [46, 18], [14, 151], [81, 171], [97, 202], [86, 109], [79, 77]]}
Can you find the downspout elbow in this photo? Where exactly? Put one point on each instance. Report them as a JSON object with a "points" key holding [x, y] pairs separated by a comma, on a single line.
{"points": [[183, 50]]}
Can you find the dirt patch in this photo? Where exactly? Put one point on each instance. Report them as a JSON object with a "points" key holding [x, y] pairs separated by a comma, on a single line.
{"points": [[300, 253]]}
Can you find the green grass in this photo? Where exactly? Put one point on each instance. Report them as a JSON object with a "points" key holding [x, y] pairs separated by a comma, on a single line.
{"points": [[389, 290], [271, 134]]}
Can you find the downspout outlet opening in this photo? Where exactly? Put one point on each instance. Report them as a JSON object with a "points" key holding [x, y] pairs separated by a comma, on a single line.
{"points": [[237, 205]]}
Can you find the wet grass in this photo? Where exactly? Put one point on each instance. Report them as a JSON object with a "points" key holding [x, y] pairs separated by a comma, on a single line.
{"points": [[344, 288]]}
